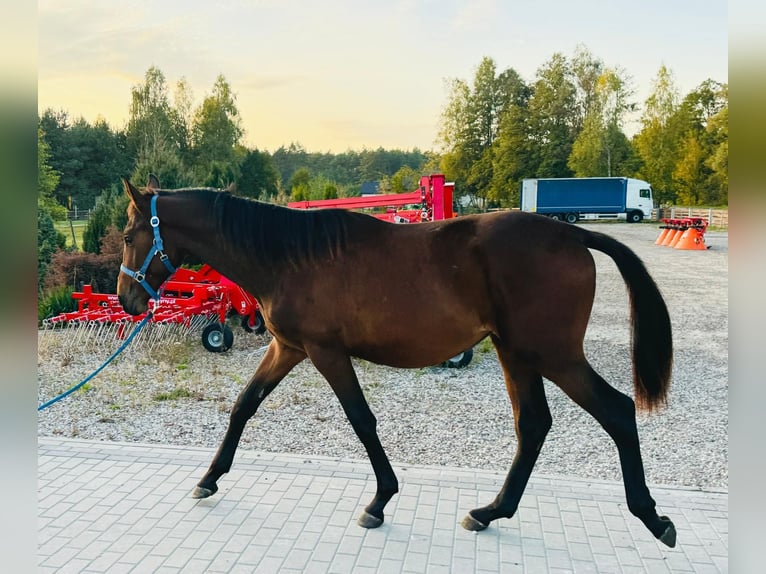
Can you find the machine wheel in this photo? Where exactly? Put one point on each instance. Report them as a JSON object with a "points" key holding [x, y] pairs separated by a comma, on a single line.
{"points": [[635, 216], [571, 217], [258, 326], [217, 338], [556, 216], [460, 360]]}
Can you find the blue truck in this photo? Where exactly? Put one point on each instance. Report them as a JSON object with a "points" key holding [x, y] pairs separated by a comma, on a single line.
{"points": [[589, 198]]}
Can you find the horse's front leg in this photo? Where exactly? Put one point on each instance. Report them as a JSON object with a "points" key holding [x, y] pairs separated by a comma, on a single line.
{"points": [[276, 363], [336, 367]]}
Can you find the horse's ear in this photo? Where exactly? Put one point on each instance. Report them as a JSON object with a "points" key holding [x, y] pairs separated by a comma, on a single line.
{"points": [[137, 198], [153, 182]]}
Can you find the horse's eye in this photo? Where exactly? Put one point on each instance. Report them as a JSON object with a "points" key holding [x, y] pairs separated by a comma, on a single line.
{"points": [[128, 240]]}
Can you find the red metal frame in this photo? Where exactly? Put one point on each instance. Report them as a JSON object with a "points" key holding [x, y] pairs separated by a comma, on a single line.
{"points": [[699, 223], [434, 196]]}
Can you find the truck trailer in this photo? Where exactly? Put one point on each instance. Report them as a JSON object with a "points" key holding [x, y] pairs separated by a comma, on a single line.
{"points": [[574, 198]]}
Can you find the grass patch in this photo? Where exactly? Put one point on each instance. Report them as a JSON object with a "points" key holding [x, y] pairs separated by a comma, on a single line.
{"points": [[73, 231], [485, 346], [175, 394]]}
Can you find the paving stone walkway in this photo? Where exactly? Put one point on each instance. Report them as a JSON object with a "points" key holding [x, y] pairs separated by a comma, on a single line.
{"points": [[117, 507]]}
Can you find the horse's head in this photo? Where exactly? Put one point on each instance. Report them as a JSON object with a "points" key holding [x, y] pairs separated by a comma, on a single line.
{"points": [[146, 257]]}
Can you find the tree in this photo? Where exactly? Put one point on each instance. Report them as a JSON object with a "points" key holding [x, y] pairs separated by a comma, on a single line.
{"points": [[586, 70], [109, 211], [216, 131], [659, 139], [181, 116], [471, 122], [515, 156], [552, 116], [405, 179], [47, 180], [718, 160], [258, 176], [48, 239], [153, 131], [601, 144], [689, 172], [88, 157], [700, 179], [289, 159], [298, 186]]}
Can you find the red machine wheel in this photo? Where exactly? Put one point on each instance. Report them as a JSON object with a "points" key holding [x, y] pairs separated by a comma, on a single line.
{"points": [[217, 338], [257, 326], [460, 360]]}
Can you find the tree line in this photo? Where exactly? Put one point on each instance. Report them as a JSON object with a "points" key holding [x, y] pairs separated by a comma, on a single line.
{"points": [[569, 122], [186, 146], [494, 130]]}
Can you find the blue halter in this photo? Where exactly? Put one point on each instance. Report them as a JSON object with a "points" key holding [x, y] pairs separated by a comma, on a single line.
{"points": [[157, 248]]}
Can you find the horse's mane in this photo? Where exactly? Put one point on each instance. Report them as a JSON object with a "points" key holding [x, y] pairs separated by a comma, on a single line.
{"points": [[274, 234]]}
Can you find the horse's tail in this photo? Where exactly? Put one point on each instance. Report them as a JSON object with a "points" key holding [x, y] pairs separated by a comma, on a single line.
{"points": [[651, 331]]}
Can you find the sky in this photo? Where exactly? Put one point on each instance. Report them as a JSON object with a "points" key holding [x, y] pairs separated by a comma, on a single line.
{"points": [[343, 75]]}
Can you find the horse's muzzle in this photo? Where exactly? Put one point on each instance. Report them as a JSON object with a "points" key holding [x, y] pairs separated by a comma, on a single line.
{"points": [[133, 305]]}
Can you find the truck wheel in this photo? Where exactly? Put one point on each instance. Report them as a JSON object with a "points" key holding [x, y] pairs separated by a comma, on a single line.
{"points": [[217, 338], [556, 216], [571, 218], [460, 360], [635, 216]]}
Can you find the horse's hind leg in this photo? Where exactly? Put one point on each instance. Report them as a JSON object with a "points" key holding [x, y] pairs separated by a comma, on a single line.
{"points": [[276, 363], [532, 420], [616, 412], [336, 367]]}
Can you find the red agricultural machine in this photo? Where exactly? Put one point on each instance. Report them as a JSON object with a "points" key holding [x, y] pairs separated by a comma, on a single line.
{"points": [[191, 300], [431, 201]]}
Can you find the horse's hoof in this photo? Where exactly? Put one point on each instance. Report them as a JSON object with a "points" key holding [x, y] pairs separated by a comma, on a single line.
{"points": [[367, 520], [202, 492], [470, 523], [669, 536]]}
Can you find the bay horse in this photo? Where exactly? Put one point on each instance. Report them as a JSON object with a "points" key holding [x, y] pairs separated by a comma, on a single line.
{"points": [[326, 282]]}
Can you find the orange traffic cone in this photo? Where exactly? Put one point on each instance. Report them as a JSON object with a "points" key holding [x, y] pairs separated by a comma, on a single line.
{"points": [[691, 239], [677, 237], [663, 234], [670, 236]]}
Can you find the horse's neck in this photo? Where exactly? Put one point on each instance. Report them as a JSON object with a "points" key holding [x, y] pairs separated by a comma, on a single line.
{"points": [[197, 227]]}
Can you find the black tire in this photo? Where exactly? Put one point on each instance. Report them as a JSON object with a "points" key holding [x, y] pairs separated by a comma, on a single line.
{"points": [[556, 216], [217, 338], [571, 217], [258, 326], [635, 217], [460, 360]]}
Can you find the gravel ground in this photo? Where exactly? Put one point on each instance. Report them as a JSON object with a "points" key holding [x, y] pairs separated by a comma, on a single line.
{"points": [[178, 393]]}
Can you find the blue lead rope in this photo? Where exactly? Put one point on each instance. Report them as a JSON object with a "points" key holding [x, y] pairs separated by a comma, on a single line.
{"points": [[140, 326], [140, 276]]}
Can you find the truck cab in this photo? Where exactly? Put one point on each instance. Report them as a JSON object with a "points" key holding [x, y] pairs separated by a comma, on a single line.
{"points": [[638, 200]]}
